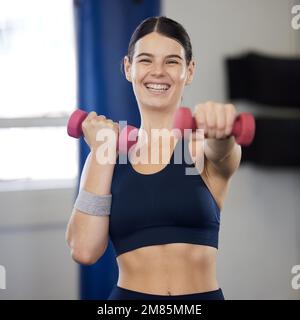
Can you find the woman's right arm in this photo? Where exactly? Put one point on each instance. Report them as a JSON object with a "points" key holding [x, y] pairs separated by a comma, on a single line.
{"points": [[87, 235]]}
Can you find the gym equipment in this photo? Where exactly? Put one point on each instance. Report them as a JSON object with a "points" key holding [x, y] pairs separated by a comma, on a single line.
{"points": [[243, 128]]}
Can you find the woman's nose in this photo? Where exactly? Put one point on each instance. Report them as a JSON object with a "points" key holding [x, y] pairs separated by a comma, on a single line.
{"points": [[157, 69]]}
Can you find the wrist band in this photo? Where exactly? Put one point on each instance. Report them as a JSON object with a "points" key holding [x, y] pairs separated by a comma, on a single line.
{"points": [[93, 204]]}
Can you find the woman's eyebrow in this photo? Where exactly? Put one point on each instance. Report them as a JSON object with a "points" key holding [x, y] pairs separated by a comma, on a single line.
{"points": [[151, 55]]}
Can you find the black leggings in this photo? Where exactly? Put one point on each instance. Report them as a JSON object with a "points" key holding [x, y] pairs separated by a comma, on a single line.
{"points": [[119, 293]]}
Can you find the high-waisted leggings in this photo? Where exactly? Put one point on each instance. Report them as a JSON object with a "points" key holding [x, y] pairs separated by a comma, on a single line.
{"points": [[119, 293]]}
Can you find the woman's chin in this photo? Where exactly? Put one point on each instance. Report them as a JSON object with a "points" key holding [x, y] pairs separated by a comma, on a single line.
{"points": [[156, 105]]}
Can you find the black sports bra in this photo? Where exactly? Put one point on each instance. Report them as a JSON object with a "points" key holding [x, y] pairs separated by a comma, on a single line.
{"points": [[165, 207]]}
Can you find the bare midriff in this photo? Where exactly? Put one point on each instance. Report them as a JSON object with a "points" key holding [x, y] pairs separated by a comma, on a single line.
{"points": [[169, 269]]}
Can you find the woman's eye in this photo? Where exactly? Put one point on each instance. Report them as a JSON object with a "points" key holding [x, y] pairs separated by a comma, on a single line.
{"points": [[145, 60], [172, 61]]}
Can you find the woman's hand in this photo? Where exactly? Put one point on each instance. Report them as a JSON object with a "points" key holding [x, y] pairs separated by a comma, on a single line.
{"points": [[98, 130], [216, 119]]}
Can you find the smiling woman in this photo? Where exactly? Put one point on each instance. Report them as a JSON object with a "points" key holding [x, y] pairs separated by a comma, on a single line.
{"points": [[159, 64], [163, 223], [164, 256]]}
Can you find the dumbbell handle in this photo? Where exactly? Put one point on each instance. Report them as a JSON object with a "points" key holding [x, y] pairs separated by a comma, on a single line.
{"points": [[243, 129], [74, 129]]}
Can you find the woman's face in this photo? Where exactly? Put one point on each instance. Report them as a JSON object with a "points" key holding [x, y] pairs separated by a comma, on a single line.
{"points": [[158, 71]]}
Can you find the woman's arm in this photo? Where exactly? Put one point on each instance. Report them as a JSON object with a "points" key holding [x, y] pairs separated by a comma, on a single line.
{"points": [[223, 156], [87, 235]]}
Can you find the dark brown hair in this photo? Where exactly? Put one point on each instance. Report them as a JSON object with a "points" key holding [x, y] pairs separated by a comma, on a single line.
{"points": [[164, 26]]}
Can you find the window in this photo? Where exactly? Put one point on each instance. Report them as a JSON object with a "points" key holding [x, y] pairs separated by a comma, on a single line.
{"points": [[38, 90]]}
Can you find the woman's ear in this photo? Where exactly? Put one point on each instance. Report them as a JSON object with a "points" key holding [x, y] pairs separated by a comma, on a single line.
{"points": [[190, 71], [127, 68]]}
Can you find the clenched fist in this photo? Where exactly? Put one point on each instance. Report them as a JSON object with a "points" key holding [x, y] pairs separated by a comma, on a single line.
{"points": [[216, 119], [93, 128]]}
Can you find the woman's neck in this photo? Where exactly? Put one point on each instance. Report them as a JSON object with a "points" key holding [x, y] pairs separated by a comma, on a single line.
{"points": [[156, 124]]}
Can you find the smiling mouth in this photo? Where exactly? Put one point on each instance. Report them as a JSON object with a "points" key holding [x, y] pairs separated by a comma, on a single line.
{"points": [[157, 88]]}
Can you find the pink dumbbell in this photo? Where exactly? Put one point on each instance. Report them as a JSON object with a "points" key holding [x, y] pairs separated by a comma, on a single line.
{"points": [[243, 129], [127, 137]]}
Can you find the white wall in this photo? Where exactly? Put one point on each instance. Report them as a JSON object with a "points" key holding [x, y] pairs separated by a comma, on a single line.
{"points": [[223, 28], [259, 243], [33, 249]]}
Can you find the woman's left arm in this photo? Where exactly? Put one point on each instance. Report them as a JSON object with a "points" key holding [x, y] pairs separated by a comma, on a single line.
{"points": [[220, 149]]}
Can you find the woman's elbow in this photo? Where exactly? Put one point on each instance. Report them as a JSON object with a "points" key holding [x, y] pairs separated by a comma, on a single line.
{"points": [[84, 257], [82, 252]]}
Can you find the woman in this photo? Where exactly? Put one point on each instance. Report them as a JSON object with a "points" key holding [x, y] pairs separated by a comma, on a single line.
{"points": [[163, 223]]}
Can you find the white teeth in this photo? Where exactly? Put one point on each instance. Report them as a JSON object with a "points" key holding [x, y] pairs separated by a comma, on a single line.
{"points": [[157, 86]]}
